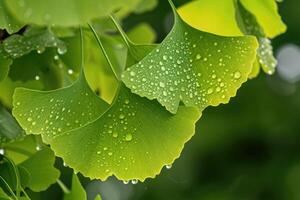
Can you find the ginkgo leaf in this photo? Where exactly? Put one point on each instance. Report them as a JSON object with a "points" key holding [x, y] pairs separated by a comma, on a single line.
{"points": [[221, 16], [197, 68], [7, 21], [33, 39], [41, 170], [77, 192], [53, 12], [266, 13], [35, 165], [249, 26], [54, 112], [9, 128], [230, 19], [119, 142], [125, 138]]}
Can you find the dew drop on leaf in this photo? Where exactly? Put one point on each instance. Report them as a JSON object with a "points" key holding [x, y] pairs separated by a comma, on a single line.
{"points": [[128, 137], [61, 49], [237, 75]]}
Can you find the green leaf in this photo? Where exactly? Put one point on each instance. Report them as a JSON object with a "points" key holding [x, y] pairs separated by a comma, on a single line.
{"points": [[77, 191], [266, 13], [5, 62], [197, 68], [9, 128], [53, 12], [33, 39], [7, 21], [98, 197], [127, 133], [126, 139], [145, 5], [41, 170], [212, 16], [35, 163], [41, 68], [142, 34], [54, 112], [250, 26]]}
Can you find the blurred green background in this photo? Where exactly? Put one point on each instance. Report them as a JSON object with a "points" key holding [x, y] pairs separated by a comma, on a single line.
{"points": [[248, 149]]}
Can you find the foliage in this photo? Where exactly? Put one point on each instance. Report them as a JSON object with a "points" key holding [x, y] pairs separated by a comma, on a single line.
{"points": [[116, 104]]}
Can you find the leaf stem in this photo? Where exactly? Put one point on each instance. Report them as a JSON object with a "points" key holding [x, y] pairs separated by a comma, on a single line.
{"points": [[121, 31], [104, 51], [63, 186], [8, 187], [17, 175], [81, 47]]}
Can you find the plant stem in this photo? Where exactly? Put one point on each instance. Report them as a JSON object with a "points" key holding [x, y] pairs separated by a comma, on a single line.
{"points": [[63, 186], [121, 31], [104, 51]]}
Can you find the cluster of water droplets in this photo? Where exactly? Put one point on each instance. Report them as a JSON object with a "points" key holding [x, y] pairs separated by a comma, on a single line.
{"points": [[265, 54], [19, 45]]}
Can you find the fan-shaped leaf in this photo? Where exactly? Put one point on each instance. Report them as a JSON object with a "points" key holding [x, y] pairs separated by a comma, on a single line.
{"points": [[221, 16], [266, 13], [54, 112], [249, 26], [7, 21], [40, 168], [192, 66], [123, 141]]}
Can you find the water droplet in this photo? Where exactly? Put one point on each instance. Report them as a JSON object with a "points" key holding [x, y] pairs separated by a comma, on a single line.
{"points": [[38, 147], [37, 77], [62, 49], [237, 75], [134, 181], [121, 116], [198, 56], [125, 182], [56, 57], [132, 73], [2, 151], [161, 84], [115, 134], [210, 91], [169, 166], [70, 71], [128, 137], [40, 50], [29, 119]]}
